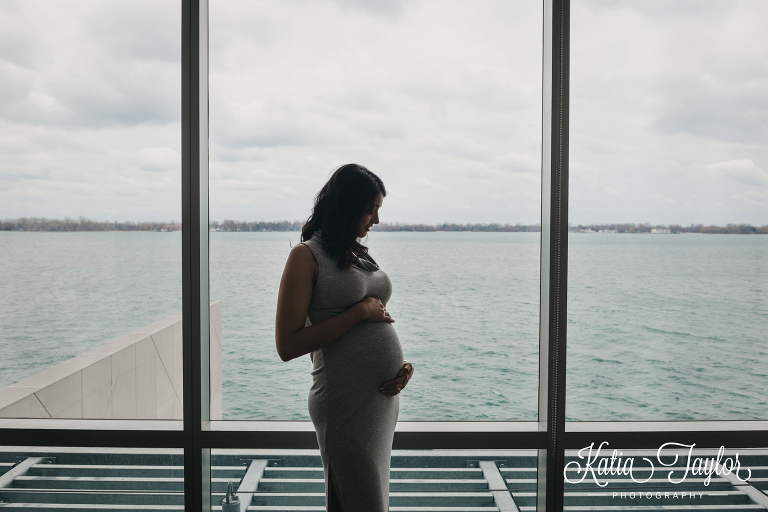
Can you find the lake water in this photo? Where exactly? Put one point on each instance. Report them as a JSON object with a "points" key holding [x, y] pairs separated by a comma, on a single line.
{"points": [[661, 327]]}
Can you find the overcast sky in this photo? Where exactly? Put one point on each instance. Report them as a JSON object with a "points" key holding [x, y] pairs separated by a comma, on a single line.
{"points": [[669, 111]]}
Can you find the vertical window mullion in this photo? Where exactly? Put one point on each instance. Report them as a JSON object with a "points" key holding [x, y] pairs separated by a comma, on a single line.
{"points": [[554, 253], [195, 296]]}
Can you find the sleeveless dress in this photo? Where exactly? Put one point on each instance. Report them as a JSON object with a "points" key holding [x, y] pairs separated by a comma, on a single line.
{"points": [[355, 422]]}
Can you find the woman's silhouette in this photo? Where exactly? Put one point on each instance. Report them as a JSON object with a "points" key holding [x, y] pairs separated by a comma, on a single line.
{"points": [[332, 305]]}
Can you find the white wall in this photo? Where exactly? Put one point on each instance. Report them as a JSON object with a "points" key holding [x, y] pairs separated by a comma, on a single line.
{"points": [[137, 376]]}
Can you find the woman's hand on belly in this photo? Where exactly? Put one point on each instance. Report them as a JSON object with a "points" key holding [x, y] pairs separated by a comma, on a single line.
{"points": [[374, 310], [394, 386]]}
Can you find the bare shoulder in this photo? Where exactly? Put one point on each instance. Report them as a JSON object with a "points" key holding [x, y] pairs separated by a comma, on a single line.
{"points": [[302, 254], [302, 259]]}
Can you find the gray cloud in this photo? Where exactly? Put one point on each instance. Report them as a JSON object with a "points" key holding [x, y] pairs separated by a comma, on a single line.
{"points": [[668, 109], [418, 97], [744, 171], [90, 65], [392, 8], [664, 10], [660, 91], [126, 32], [721, 101], [16, 45]]}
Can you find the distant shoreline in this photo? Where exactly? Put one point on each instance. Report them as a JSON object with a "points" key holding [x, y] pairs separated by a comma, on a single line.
{"points": [[40, 224]]}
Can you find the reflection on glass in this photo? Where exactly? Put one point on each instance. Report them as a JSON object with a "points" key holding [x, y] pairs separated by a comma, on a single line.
{"points": [[669, 193], [444, 105], [89, 206]]}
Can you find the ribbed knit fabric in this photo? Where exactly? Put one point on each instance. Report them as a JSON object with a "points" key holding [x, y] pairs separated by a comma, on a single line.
{"points": [[355, 422]]}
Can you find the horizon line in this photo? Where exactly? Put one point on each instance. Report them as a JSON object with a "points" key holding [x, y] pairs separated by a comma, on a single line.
{"points": [[82, 224], [81, 220]]}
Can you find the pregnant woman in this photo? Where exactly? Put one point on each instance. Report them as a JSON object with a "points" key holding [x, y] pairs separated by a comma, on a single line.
{"points": [[332, 306]]}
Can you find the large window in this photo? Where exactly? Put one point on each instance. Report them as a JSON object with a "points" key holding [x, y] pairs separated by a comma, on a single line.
{"points": [[669, 184], [90, 247], [417, 94], [618, 193]]}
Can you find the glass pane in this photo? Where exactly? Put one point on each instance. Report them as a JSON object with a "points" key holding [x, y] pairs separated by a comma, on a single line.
{"points": [[431, 479], [46, 478], [676, 476], [90, 246], [443, 103], [669, 195]]}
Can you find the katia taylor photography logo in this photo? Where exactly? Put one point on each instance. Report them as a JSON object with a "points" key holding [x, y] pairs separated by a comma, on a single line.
{"points": [[600, 466]]}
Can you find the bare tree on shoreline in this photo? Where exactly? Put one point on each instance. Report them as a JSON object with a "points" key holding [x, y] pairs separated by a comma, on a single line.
{"points": [[737, 229], [83, 224]]}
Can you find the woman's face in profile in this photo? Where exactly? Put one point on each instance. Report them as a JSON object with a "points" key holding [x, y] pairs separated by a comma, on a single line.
{"points": [[370, 218]]}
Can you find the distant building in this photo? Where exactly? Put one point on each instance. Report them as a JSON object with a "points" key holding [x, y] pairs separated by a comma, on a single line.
{"points": [[661, 231]]}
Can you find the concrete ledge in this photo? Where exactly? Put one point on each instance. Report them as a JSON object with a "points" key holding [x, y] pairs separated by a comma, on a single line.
{"points": [[136, 376]]}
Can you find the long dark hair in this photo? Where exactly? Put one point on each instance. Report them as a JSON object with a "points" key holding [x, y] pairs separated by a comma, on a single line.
{"points": [[349, 194]]}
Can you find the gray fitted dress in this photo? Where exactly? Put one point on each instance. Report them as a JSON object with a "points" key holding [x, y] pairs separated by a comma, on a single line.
{"points": [[355, 422]]}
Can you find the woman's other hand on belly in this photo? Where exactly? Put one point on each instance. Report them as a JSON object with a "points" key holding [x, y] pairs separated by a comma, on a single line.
{"points": [[394, 386]]}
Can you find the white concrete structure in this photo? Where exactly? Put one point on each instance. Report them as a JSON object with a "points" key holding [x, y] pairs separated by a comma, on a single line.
{"points": [[137, 376]]}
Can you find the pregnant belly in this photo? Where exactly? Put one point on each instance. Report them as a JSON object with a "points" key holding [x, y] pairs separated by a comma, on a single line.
{"points": [[368, 354]]}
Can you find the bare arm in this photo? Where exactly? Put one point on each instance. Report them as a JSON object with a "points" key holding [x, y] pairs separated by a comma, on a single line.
{"points": [[291, 337]]}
